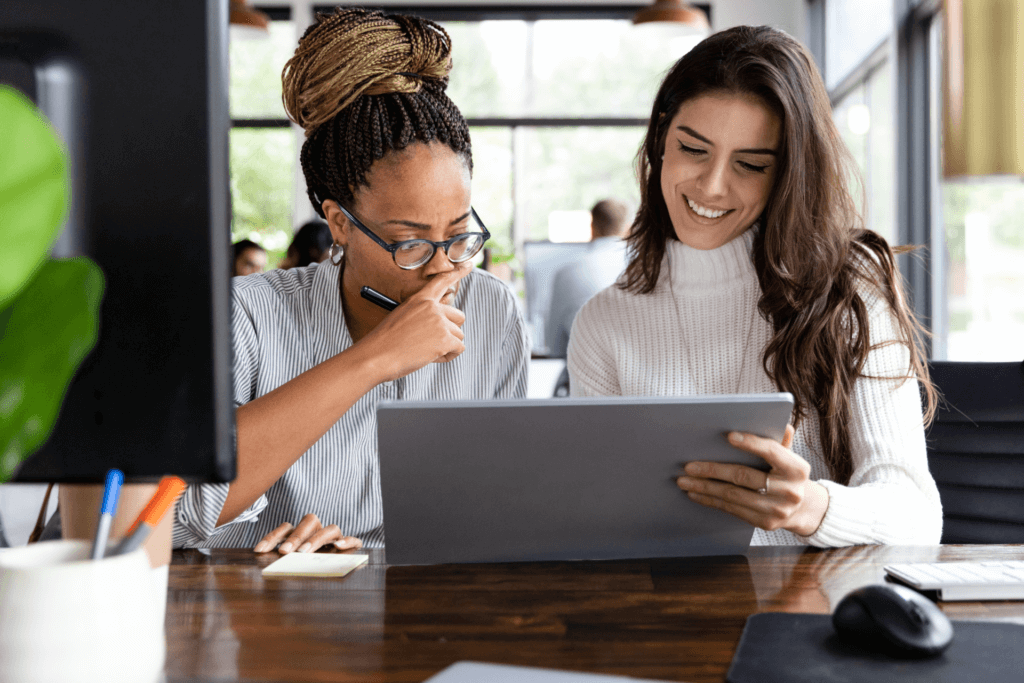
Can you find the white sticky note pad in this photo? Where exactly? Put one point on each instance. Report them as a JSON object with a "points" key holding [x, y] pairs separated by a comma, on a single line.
{"points": [[314, 564]]}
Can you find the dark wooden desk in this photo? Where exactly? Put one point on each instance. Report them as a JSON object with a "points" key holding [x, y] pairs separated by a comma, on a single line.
{"points": [[664, 619]]}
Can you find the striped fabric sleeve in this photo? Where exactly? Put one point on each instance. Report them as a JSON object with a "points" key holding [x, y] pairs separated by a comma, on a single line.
{"points": [[198, 510], [201, 504], [245, 350], [515, 358]]}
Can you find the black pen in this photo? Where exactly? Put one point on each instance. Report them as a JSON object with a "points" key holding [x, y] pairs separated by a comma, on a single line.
{"points": [[373, 296]]}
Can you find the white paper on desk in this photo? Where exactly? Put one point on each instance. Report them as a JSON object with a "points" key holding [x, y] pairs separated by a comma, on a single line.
{"points": [[314, 564], [474, 672]]}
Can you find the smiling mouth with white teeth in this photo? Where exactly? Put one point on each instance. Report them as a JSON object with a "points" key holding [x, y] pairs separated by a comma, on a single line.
{"points": [[705, 212]]}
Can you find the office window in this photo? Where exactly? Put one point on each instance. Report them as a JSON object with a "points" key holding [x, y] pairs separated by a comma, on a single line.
{"points": [[853, 30], [263, 146], [852, 117], [569, 169], [262, 164], [255, 67], [983, 275], [585, 68], [552, 131], [984, 228], [493, 183], [572, 126], [864, 117]]}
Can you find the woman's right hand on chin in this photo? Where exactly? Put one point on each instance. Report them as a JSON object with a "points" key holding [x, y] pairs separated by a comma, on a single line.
{"points": [[421, 330], [308, 537]]}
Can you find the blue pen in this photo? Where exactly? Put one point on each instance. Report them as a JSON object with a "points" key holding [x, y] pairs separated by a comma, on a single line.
{"points": [[110, 494]]}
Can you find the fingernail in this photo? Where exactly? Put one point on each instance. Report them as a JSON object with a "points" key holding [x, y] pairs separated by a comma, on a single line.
{"points": [[261, 547], [286, 547], [304, 548], [683, 481], [735, 436]]}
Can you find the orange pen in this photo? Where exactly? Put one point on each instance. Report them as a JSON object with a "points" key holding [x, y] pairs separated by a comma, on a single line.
{"points": [[166, 493]]}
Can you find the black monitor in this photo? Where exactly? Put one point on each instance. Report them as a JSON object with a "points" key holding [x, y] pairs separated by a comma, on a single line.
{"points": [[139, 94], [542, 261]]}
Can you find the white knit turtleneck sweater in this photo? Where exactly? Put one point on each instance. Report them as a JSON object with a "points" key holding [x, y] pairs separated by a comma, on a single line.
{"points": [[699, 332]]}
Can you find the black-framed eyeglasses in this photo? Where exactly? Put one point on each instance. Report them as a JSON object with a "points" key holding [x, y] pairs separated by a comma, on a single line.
{"points": [[411, 254]]}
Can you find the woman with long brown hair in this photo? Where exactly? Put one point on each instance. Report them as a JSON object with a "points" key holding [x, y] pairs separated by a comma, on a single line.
{"points": [[751, 272]]}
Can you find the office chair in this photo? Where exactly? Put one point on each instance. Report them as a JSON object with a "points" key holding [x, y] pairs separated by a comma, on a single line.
{"points": [[976, 451], [562, 384]]}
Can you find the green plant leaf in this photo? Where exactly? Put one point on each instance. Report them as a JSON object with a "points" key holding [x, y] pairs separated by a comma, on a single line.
{"points": [[33, 190], [47, 330]]}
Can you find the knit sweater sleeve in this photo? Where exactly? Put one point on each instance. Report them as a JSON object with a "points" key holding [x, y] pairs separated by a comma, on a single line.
{"points": [[591, 354], [891, 497]]}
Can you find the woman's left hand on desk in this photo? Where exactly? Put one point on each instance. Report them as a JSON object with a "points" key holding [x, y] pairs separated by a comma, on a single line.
{"points": [[784, 498], [308, 537]]}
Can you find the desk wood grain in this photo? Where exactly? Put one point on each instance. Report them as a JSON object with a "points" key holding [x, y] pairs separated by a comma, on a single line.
{"points": [[677, 619]]}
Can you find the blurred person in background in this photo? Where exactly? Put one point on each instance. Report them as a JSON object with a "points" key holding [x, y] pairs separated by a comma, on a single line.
{"points": [[249, 258], [576, 282], [310, 245]]}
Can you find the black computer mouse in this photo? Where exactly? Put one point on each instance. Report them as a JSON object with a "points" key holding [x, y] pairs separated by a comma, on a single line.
{"points": [[893, 618]]}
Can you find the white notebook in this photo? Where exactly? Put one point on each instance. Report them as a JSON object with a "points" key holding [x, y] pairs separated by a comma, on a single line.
{"points": [[315, 564]]}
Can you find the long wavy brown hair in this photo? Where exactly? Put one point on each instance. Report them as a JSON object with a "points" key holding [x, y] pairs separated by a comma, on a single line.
{"points": [[815, 260]]}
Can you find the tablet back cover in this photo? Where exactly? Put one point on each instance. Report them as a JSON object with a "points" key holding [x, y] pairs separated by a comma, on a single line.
{"points": [[561, 479]]}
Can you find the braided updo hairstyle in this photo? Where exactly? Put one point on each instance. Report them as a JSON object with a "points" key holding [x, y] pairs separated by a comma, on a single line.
{"points": [[363, 83]]}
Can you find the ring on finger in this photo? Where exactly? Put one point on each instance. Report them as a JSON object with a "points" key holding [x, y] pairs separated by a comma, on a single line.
{"points": [[767, 484]]}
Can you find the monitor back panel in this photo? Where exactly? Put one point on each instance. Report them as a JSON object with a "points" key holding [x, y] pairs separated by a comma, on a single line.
{"points": [[542, 261], [140, 101], [562, 479]]}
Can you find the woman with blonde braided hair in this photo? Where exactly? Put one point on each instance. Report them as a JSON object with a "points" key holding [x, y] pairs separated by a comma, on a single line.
{"points": [[387, 162]]}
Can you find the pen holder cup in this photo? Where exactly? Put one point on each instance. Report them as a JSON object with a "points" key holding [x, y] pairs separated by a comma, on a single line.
{"points": [[65, 618]]}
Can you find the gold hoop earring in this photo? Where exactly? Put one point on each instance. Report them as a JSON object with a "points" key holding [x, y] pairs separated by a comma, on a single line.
{"points": [[336, 254]]}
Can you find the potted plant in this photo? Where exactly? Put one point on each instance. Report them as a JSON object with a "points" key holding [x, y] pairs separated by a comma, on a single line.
{"points": [[48, 307]]}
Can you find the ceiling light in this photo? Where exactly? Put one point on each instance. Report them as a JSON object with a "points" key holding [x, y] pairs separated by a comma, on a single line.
{"points": [[674, 11], [247, 22]]}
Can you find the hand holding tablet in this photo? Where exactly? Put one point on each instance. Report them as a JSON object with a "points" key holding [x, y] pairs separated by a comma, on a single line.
{"points": [[782, 498]]}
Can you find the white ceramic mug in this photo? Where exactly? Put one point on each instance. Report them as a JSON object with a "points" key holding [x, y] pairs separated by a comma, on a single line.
{"points": [[65, 618]]}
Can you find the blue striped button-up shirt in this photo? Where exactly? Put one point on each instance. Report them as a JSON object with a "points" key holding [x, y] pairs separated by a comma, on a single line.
{"points": [[287, 321]]}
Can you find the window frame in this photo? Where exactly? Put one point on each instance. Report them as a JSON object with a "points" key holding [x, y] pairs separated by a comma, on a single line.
{"points": [[861, 78], [918, 217], [298, 216], [918, 221], [517, 125], [274, 13]]}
